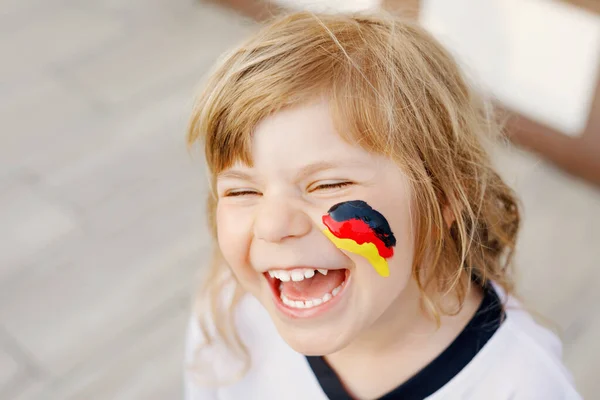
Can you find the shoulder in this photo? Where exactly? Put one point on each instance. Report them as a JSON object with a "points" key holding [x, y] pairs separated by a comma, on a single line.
{"points": [[535, 355], [212, 351], [215, 364], [531, 339], [529, 355], [211, 357], [522, 361], [533, 360]]}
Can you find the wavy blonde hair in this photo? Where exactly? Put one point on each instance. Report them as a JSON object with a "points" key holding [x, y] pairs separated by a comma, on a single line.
{"points": [[394, 90]]}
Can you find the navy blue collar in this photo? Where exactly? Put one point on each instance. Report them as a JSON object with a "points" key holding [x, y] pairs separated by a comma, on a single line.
{"points": [[442, 369]]}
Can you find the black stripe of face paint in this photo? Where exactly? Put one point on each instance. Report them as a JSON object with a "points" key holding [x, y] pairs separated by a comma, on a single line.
{"points": [[358, 209]]}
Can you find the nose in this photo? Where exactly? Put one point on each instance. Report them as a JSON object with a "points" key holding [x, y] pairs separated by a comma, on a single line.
{"points": [[279, 220]]}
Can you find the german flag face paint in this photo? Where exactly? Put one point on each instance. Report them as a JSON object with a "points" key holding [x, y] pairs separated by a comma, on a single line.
{"points": [[356, 227]]}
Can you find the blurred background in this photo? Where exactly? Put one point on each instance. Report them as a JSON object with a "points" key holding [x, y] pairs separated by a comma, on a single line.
{"points": [[102, 231]]}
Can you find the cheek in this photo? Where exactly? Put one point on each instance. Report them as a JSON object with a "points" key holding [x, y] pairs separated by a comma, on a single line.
{"points": [[405, 237], [401, 222], [234, 229], [397, 212]]}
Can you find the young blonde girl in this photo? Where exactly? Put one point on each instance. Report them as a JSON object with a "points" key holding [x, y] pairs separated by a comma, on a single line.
{"points": [[363, 241]]}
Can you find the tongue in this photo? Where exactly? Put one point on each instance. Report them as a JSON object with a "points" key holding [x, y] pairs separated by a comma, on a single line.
{"points": [[315, 287]]}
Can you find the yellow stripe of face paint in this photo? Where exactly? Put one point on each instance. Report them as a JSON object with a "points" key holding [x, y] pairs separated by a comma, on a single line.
{"points": [[367, 250]]}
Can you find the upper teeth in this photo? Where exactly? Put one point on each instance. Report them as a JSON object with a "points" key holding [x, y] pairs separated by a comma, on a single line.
{"points": [[294, 275]]}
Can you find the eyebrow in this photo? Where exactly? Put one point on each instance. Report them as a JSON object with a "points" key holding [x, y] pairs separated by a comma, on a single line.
{"points": [[312, 169], [304, 172], [234, 174]]}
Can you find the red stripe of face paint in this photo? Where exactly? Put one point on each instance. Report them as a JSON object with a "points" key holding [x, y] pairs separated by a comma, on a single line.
{"points": [[358, 231]]}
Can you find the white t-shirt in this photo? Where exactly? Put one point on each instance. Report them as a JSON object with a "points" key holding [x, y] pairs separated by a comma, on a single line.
{"points": [[521, 361]]}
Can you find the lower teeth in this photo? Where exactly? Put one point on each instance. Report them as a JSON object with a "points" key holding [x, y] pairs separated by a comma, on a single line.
{"points": [[309, 303]]}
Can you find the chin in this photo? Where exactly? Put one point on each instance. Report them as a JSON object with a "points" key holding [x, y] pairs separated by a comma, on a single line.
{"points": [[317, 342]]}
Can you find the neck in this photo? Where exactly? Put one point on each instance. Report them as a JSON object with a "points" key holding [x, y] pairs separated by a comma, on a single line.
{"points": [[405, 336], [401, 324]]}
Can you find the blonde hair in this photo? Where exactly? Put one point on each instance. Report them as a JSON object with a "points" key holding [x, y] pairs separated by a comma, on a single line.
{"points": [[393, 90]]}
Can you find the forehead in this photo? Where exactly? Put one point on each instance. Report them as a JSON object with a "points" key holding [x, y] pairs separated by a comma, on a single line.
{"points": [[300, 136]]}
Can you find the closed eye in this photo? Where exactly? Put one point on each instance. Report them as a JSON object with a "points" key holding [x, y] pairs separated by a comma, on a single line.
{"points": [[241, 192], [335, 185]]}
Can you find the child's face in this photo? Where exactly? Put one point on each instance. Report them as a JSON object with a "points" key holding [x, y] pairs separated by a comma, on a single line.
{"points": [[271, 231]]}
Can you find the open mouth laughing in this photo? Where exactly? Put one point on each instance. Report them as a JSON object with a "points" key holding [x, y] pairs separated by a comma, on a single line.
{"points": [[302, 292]]}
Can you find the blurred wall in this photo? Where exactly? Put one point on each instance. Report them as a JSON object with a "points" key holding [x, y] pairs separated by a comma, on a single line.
{"points": [[540, 57]]}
